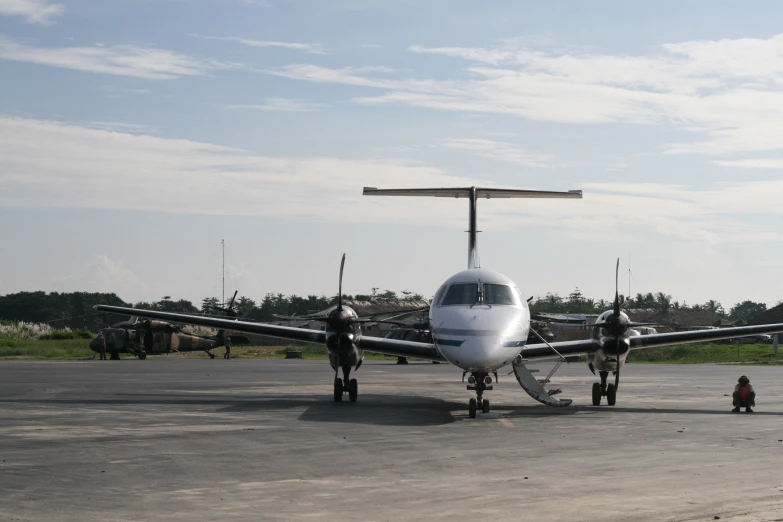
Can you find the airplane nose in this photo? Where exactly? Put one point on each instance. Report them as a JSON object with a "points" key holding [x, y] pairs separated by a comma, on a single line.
{"points": [[475, 355]]}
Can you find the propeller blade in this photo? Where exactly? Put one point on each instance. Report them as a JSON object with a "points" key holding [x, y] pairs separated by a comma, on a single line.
{"points": [[617, 374], [617, 289], [340, 285]]}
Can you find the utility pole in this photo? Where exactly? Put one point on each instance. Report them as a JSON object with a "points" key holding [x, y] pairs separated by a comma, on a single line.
{"points": [[223, 244]]}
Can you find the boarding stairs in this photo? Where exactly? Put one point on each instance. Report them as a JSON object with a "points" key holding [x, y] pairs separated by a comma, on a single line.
{"points": [[536, 388]]}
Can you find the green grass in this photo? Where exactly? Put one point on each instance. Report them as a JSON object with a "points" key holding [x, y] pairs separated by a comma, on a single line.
{"points": [[60, 349], [708, 353], [682, 354]]}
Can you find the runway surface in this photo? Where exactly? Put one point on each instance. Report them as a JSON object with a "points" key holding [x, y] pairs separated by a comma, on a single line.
{"points": [[184, 439]]}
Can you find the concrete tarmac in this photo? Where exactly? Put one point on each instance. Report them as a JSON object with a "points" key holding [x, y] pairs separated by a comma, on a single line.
{"points": [[186, 439]]}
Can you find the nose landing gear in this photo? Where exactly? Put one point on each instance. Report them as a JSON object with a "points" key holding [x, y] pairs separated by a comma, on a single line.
{"points": [[479, 382], [346, 385], [603, 390]]}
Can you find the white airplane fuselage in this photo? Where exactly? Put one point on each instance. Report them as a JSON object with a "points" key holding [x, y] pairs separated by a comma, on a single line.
{"points": [[484, 334]]}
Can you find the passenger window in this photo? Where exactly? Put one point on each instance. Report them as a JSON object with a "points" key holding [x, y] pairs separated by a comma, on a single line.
{"points": [[461, 294], [499, 295]]}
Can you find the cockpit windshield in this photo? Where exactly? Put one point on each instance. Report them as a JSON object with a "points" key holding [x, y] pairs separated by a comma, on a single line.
{"points": [[461, 294], [500, 295], [480, 294]]}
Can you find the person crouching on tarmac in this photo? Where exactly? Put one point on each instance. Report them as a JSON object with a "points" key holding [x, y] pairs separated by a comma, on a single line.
{"points": [[744, 395]]}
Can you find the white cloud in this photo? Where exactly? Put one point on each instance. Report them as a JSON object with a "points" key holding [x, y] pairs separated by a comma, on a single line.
{"points": [[726, 92], [306, 47], [121, 127], [46, 164], [109, 275], [281, 105], [121, 60], [34, 11], [502, 151]]}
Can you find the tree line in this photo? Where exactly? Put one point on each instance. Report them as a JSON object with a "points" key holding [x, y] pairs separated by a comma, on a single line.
{"points": [[75, 309], [576, 303]]}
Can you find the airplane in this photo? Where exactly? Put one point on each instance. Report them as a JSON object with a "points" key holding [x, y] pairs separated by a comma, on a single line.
{"points": [[151, 337], [479, 321]]}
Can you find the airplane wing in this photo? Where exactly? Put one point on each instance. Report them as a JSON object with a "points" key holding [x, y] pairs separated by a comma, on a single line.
{"points": [[392, 347], [571, 348]]}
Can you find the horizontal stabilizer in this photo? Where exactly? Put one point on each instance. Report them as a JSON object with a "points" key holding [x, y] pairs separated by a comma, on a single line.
{"points": [[486, 193]]}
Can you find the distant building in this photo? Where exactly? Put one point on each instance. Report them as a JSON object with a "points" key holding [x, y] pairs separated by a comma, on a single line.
{"points": [[771, 316], [674, 320]]}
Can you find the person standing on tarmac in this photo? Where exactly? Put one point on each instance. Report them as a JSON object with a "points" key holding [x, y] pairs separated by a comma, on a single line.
{"points": [[227, 343], [102, 346], [744, 395]]}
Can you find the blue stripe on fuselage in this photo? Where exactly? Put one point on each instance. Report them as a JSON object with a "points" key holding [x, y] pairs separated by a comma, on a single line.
{"points": [[449, 342]]}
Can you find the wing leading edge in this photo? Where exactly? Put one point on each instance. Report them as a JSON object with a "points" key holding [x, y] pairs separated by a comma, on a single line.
{"points": [[392, 347], [572, 348]]}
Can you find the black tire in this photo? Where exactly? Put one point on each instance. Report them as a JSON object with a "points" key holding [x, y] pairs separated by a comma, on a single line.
{"points": [[142, 355], [611, 395], [353, 390], [472, 408], [338, 390], [485, 406], [211, 355], [596, 394], [115, 356]]}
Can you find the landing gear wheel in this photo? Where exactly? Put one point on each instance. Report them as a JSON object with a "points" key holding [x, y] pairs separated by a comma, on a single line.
{"points": [[485, 406], [611, 395], [115, 356], [353, 390], [596, 394], [142, 355], [338, 390], [211, 355], [472, 408]]}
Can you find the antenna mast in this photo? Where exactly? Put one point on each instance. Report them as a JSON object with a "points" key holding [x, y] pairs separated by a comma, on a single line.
{"points": [[223, 244]]}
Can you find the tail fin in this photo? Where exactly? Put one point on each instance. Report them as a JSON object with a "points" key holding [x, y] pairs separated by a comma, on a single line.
{"points": [[473, 193]]}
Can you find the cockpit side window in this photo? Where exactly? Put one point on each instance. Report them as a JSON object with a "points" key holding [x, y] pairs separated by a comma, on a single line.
{"points": [[438, 295], [461, 294], [500, 295]]}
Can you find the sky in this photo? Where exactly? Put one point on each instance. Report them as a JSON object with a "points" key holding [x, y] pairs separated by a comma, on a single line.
{"points": [[135, 135]]}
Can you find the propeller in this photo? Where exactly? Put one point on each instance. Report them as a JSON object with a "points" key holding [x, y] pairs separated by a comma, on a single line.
{"points": [[618, 316], [340, 320]]}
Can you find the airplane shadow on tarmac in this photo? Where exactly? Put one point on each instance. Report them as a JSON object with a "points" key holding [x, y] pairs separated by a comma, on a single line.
{"points": [[381, 410]]}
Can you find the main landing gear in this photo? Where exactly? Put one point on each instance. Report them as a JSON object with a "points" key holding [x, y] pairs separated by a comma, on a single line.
{"points": [[603, 390], [346, 385], [480, 382]]}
